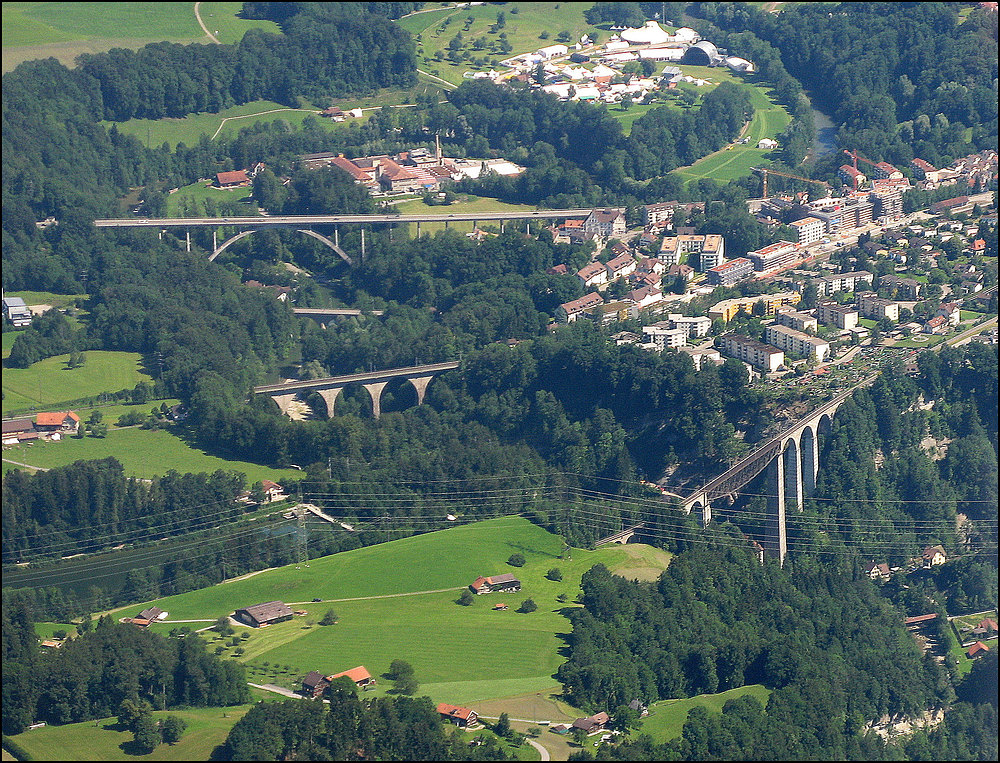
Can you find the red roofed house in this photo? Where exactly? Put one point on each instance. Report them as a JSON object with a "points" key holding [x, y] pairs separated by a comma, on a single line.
{"points": [[505, 582], [460, 716], [849, 175], [885, 171], [61, 421], [273, 490], [592, 723], [558, 270], [977, 650], [233, 179], [990, 626], [934, 555], [359, 675], [979, 245]]}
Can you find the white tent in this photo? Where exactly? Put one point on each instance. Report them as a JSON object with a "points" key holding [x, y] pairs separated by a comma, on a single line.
{"points": [[648, 34]]}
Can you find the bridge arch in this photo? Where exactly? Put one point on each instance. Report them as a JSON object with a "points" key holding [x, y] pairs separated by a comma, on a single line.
{"points": [[318, 236], [809, 456], [792, 468]]}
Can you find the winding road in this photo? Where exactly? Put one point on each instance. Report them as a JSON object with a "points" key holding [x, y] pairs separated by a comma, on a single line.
{"points": [[204, 28]]}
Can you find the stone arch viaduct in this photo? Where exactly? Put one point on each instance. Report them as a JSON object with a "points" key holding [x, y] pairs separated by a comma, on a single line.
{"points": [[374, 382], [791, 462]]}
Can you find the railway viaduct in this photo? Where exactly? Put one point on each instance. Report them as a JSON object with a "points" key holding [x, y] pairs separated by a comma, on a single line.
{"points": [[374, 382]]}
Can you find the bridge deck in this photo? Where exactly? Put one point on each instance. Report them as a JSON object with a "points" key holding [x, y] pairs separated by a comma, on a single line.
{"points": [[332, 381], [306, 220]]}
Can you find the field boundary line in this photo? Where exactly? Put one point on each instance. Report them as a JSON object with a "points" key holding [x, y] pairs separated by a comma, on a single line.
{"points": [[382, 596], [259, 113]]}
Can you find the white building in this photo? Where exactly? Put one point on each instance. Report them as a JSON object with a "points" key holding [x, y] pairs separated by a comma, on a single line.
{"points": [[798, 342], [594, 274], [605, 223], [786, 316], [808, 230], [552, 51], [757, 354], [696, 325], [660, 336], [16, 311], [710, 250], [767, 143], [699, 356], [648, 34], [739, 65]]}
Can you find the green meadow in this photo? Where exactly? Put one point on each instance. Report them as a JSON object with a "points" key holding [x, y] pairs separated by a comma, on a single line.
{"points": [[769, 119], [397, 600], [34, 30], [49, 382], [465, 204], [143, 453], [522, 29], [194, 196], [207, 728], [666, 718]]}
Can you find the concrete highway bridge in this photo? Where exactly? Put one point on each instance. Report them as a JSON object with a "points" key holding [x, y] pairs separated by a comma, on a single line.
{"points": [[304, 223], [374, 382], [791, 460]]}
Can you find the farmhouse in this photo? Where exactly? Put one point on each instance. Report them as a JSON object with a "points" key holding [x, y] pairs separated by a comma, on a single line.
{"points": [[314, 684], [272, 491], [16, 312], [592, 723], [19, 430], [260, 615], [153, 613], [234, 179], [460, 716], [504, 582], [934, 555], [61, 421], [359, 675], [977, 650], [877, 571]]}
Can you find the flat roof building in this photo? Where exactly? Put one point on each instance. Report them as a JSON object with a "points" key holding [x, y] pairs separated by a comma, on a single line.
{"points": [[797, 342], [775, 256], [727, 308], [842, 316], [731, 272], [757, 354], [785, 316]]}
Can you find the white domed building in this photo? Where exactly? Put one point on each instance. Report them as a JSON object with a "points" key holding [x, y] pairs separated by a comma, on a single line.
{"points": [[649, 34], [702, 53]]}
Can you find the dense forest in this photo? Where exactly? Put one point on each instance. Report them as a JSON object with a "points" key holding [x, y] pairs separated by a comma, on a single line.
{"points": [[348, 728], [833, 652], [902, 80], [107, 664]]}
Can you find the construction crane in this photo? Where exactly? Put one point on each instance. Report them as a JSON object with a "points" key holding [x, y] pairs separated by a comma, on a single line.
{"points": [[855, 156], [764, 172]]}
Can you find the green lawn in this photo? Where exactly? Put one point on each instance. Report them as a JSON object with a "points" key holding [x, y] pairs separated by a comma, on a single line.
{"points": [[666, 719], [48, 298], [49, 382], [426, 629], [522, 29], [8, 341], [142, 452], [207, 728], [65, 30], [769, 119], [467, 203], [198, 192]]}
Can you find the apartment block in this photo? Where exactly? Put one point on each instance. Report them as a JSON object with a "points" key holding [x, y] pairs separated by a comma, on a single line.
{"points": [[797, 342], [808, 230], [710, 250], [731, 272], [832, 314], [727, 308], [697, 326], [775, 256], [785, 316], [757, 354], [872, 306], [662, 336], [827, 285]]}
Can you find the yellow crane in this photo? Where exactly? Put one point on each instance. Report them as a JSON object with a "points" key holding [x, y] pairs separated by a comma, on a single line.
{"points": [[764, 173]]}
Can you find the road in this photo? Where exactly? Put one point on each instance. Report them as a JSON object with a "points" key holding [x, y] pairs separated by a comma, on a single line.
{"points": [[204, 28], [541, 750], [307, 220]]}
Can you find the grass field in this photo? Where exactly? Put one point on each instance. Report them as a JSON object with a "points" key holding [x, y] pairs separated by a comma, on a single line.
{"points": [[522, 29], [142, 452], [426, 629], [666, 718], [769, 119], [65, 30], [196, 193], [50, 382], [207, 728], [467, 203]]}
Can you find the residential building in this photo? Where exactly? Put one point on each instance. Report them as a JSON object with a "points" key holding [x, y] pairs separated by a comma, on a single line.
{"points": [[674, 272], [953, 206], [314, 684], [905, 288], [570, 311], [833, 314], [644, 296], [650, 265], [786, 316], [846, 282], [885, 171], [621, 310], [808, 230], [460, 716], [731, 272], [934, 556], [852, 177], [700, 356], [710, 250], [594, 274], [887, 203], [872, 306], [260, 615], [775, 256], [234, 179], [924, 170], [505, 582], [878, 571], [697, 326], [606, 223], [15, 311], [661, 335], [727, 308], [272, 491], [153, 613], [657, 214], [620, 266], [593, 723], [359, 675], [977, 650], [951, 312], [936, 325], [797, 342], [757, 354]]}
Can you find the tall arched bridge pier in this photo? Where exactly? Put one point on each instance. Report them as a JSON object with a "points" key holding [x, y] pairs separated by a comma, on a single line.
{"points": [[791, 462]]}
